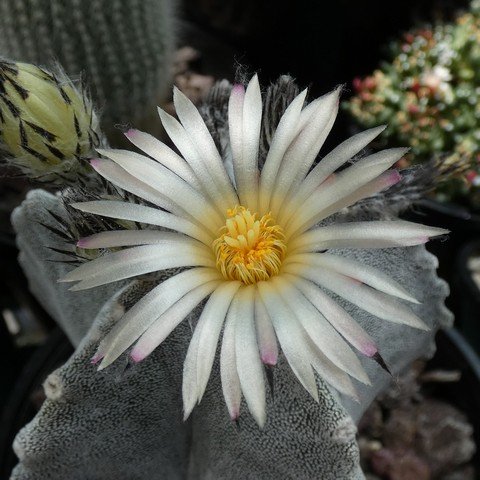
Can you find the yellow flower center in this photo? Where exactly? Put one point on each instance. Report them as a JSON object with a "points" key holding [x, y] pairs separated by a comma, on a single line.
{"points": [[248, 249]]}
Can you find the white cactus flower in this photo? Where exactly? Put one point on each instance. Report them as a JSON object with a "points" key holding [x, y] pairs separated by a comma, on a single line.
{"points": [[253, 245]]}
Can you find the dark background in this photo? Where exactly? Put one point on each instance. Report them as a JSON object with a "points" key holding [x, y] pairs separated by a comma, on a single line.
{"points": [[320, 43]]}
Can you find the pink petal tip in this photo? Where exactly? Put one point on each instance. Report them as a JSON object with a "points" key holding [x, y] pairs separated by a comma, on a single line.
{"points": [[96, 358], [329, 180], [130, 132], [412, 241], [354, 281], [136, 356], [95, 162], [393, 178], [83, 242], [238, 89], [369, 350], [269, 359]]}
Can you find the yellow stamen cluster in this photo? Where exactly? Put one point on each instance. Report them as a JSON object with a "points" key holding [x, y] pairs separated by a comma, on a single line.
{"points": [[248, 249]]}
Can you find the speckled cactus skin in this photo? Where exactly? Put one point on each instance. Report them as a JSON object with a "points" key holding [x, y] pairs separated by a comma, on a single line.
{"points": [[123, 46]]}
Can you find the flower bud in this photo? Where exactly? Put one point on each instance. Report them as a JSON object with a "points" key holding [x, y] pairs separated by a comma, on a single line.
{"points": [[47, 126]]}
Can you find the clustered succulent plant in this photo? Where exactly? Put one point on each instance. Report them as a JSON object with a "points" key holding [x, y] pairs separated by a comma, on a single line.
{"points": [[429, 94]]}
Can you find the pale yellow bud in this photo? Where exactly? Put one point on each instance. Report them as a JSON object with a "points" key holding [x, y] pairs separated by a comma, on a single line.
{"points": [[47, 126]]}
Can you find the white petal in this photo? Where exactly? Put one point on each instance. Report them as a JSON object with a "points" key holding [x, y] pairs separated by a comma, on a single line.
{"points": [[338, 317], [299, 349], [334, 160], [344, 184], [372, 234], [308, 112], [342, 153], [205, 146], [119, 177], [228, 368], [168, 184], [246, 166], [267, 340], [219, 192], [249, 365], [292, 337], [378, 184], [304, 149], [164, 325], [235, 122], [379, 304], [129, 328], [139, 213], [333, 375], [323, 335], [137, 261], [189, 379], [183, 142], [163, 154], [124, 238], [283, 136], [359, 271], [210, 324]]}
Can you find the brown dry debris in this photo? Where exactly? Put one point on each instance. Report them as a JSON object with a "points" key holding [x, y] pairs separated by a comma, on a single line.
{"points": [[406, 435]]}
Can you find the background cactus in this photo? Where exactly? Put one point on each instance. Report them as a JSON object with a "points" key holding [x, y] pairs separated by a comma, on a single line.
{"points": [[123, 47], [428, 93]]}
